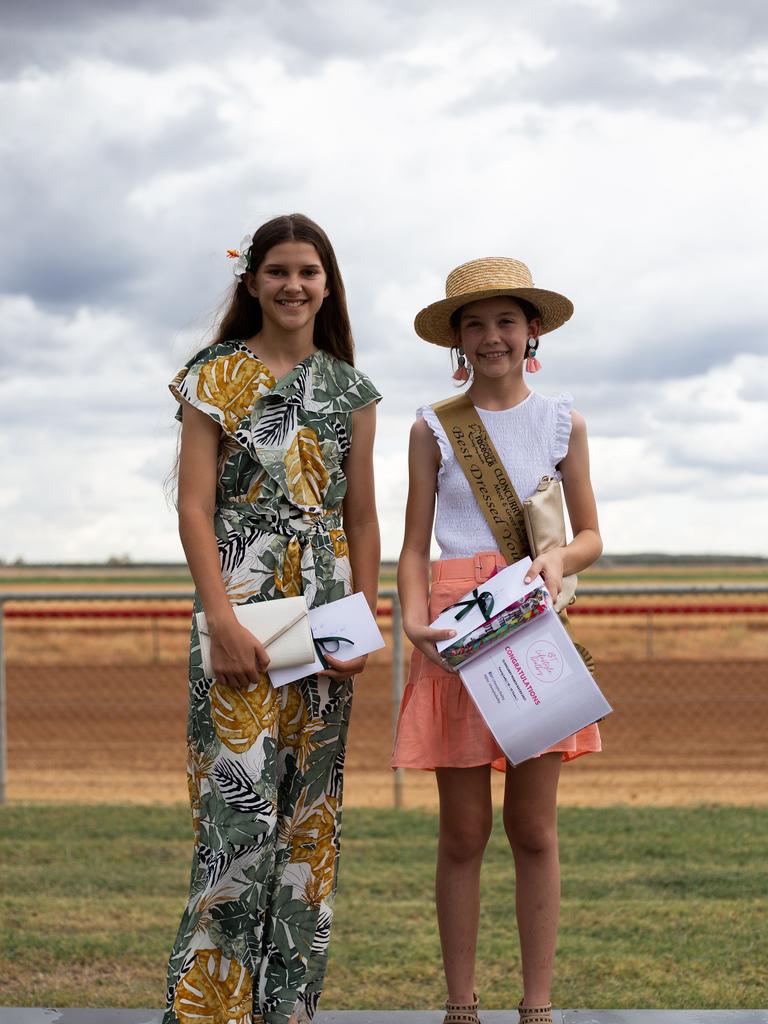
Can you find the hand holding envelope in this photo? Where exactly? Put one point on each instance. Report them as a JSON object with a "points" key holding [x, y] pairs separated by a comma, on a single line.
{"points": [[336, 665], [342, 631]]}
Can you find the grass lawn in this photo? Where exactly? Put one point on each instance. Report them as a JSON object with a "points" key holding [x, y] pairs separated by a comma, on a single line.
{"points": [[661, 908]]}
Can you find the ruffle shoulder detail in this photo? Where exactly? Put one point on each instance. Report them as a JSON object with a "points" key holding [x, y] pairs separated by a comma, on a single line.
{"points": [[224, 381], [428, 414], [296, 428], [337, 387], [562, 432]]}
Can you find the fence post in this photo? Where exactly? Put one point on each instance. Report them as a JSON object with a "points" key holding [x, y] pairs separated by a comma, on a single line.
{"points": [[397, 688], [3, 733], [155, 641]]}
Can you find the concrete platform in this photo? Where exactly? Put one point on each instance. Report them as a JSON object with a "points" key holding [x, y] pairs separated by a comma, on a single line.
{"points": [[74, 1015]]}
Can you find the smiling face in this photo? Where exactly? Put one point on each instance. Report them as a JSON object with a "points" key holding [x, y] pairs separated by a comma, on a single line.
{"points": [[290, 284], [494, 333]]}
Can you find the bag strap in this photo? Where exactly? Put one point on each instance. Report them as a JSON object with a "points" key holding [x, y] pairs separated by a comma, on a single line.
{"points": [[270, 639], [491, 486], [282, 630], [487, 475]]}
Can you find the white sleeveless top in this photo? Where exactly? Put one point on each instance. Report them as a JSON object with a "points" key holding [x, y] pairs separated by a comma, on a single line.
{"points": [[531, 438]]}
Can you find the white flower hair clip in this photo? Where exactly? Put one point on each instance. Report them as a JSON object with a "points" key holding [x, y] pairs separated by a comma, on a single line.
{"points": [[240, 256]]}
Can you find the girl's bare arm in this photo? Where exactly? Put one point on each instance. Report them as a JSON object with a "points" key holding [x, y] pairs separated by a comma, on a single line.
{"points": [[196, 503], [413, 566], [236, 655], [361, 525]]}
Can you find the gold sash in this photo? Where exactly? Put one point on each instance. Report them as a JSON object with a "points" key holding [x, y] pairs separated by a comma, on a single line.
{"points": [[491, 486], [487, 476]]}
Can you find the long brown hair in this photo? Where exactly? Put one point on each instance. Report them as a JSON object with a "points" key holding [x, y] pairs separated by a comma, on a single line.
{"points": [[243, 318]]}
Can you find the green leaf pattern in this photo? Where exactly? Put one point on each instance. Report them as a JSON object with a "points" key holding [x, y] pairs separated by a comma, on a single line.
{"points": [[266, 802]]}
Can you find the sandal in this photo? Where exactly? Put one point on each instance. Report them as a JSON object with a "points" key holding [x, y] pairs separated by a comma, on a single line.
{"points": [[535, 1014], [461, 1013]]}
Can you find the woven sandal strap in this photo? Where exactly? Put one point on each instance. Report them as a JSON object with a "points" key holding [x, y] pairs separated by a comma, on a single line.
{"points": [[535, 1014], [461, 1013]]}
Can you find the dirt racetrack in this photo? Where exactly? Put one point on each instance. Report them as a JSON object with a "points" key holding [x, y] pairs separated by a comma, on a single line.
{"points": [[683, 731], [96, 707]]}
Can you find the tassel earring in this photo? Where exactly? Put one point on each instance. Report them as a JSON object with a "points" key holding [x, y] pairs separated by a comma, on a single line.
{"points": [[461, 373], [532, 364]]}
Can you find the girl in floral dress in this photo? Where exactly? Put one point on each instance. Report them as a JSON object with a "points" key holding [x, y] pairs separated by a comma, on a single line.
{"points": [[275, 499]]}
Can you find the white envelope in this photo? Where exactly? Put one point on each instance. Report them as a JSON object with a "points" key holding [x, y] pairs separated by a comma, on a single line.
{"points": [[349, 618], [505, 587]]}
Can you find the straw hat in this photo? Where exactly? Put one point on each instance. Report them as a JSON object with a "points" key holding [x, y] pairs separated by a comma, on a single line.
{"points": [[483, 279]]}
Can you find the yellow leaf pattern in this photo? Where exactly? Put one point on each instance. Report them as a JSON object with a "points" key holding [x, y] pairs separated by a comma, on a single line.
{"points": [[292, 716], [198, 768], [178, 380], [311, 842], [307, 742], [240, 717], [305, 474], [238, 590], [340, 545], [232, 384], [214, 990], [289, 582], [315, 891], [255, 489], [297, 729]]}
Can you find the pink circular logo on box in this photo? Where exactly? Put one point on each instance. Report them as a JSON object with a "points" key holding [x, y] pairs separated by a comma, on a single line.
{"points": [[544, 661]]}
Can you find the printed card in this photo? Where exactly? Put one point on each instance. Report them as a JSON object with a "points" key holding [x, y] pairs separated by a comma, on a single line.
{"points": [[533, 689], [345, 629]]}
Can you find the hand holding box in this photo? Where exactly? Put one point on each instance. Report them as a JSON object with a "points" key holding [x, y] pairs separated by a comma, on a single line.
{"points": [[519, 664]]}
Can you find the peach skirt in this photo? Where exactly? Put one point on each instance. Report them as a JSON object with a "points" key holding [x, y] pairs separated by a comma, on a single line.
{"points": [[439, 725]]}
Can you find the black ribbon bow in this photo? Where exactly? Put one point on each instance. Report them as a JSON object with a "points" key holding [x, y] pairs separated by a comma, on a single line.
{"points": [[482, 598], [329, 645]]}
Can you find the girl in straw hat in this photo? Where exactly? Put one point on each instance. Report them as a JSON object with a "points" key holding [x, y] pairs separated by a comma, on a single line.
{"points": [[492, 317]]}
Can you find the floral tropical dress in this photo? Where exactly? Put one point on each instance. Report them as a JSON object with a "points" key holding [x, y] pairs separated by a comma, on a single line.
{"points": [[265, 766]]}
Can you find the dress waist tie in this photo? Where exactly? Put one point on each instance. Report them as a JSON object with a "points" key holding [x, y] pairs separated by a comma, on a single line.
{"points": [[305, 535]]}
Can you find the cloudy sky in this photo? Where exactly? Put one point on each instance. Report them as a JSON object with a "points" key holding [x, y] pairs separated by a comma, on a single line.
{"points": [[617, 147]]}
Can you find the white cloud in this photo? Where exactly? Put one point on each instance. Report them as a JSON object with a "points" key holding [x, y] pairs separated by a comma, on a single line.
{"points": [[617, 149]]}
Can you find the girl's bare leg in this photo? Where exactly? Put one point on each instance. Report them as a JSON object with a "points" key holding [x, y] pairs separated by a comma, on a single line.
{"points": [[530, 820], [466, 817]]}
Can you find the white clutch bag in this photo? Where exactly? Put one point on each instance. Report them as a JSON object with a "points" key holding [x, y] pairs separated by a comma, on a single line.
{"points": [[281, 625]]}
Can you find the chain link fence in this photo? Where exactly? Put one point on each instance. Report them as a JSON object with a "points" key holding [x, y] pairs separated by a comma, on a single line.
{"points": [[93, 699]]}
